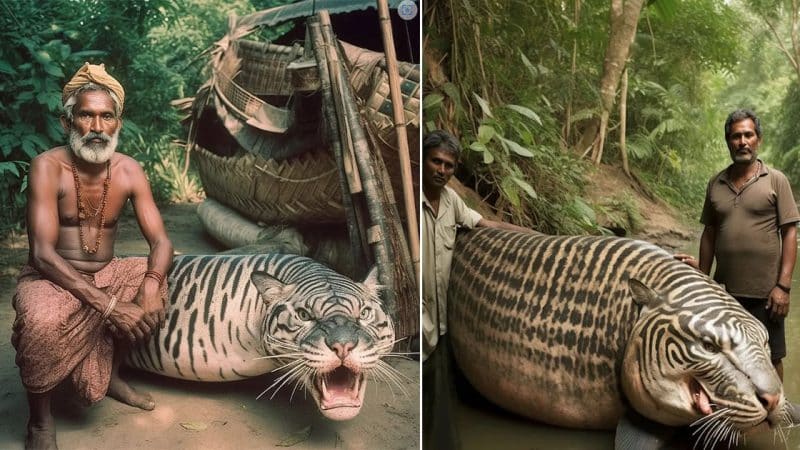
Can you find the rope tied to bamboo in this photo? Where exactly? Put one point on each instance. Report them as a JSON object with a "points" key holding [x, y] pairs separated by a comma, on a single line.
{"points": [[294, 180]]}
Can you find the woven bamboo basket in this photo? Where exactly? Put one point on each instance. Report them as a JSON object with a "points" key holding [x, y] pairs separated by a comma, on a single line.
{"points": [[380, 122], [253, 78], [292, 191]]}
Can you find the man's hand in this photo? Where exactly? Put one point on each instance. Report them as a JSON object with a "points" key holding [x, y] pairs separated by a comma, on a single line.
{"points": [[778, 303], [688, 260], [149, 298], [128, 321]]}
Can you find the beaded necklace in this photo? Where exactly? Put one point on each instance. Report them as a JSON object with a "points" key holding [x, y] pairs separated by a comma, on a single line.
{"points": [[82, 213]]}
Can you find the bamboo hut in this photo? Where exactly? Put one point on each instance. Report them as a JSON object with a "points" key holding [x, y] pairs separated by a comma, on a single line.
{"points": [[301, 134]]}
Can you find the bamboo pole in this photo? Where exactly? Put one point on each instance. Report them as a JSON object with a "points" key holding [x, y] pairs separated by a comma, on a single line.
{"points": [[376, 232], [318, 44], [346, 139], [402, 137]]}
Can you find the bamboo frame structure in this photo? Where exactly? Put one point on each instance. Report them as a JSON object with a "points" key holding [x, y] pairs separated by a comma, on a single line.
{"points": [[402, 137]]}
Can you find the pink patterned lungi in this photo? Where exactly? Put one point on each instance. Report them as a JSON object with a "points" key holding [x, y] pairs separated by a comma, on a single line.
{"points": [[58, 336]]}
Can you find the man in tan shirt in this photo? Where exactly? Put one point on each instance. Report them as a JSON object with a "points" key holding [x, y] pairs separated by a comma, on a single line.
{"points": [[750, 219], [443, 213]]}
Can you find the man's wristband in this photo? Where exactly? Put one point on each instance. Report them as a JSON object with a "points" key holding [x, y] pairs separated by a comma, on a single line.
{"points": [[783, 288], [155, 275]]}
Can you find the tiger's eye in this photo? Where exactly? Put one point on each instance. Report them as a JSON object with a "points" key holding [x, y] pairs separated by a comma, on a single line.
{"points": [[710, 347], [303, 314], [366, 313]]}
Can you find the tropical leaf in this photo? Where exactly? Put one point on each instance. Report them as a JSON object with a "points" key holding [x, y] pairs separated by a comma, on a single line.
{"points": [[477, 147], [583, 114], [516, 148], [432, 100], [7, 68], [485, 133], [525, 111], [511, 190], [487, 111], [531, 68], [525, 187]]}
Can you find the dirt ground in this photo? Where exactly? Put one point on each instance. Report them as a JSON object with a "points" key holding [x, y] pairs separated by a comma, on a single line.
{"points": [[191, 415]]}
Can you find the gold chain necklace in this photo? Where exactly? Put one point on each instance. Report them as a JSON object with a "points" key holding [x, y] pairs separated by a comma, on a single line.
{"points": [[82, 213]]}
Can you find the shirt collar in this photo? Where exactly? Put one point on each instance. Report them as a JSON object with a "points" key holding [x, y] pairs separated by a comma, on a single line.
{"points": [[724, 175]]}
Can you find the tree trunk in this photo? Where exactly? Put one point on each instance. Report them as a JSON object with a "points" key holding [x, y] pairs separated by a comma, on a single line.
{"points": [[623, 20], [623, 122], [792, 54], [573, 71]]}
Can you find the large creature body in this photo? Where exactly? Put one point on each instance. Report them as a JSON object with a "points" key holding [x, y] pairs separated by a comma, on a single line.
{"points": [[576, 331], [231, 317]]}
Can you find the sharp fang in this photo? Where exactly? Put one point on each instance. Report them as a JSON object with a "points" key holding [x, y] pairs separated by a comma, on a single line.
{"points": [[324, 387]]}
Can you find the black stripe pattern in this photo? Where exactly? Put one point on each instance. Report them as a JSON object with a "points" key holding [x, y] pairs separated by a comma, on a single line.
{"points": [[541, 324], [219, 324]]}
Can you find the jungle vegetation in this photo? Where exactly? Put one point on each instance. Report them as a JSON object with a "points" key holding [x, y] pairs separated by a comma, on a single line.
{"points": [[157, 49], [541, 93]]}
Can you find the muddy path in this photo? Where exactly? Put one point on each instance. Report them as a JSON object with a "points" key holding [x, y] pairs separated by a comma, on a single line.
{"points": [[192, 415]]}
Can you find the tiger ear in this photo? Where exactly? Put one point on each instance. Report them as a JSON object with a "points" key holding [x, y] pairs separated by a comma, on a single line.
{"points": [[271, 288], [372, 283], [643, 295]]}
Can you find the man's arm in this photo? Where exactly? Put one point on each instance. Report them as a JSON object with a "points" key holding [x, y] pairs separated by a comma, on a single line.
{"points": [[778, 301], [43, 225], [708, 241], [152, 228], [503, 226]]}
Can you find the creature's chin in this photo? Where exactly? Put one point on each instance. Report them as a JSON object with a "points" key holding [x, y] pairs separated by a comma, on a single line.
{"points": [[340, 393]]}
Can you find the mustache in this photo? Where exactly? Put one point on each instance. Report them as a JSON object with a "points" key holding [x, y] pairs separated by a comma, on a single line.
{"points": [[93, 135]]}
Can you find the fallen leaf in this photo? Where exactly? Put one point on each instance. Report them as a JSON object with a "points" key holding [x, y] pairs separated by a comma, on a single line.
{"points": [[295, 438], [194, 426]]}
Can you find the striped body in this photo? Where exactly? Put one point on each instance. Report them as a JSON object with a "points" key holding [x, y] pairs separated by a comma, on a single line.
{"points": [[553, 328], [231, 317]]}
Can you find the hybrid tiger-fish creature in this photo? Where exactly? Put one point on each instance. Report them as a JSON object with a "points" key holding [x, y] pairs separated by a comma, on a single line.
{"points": [[231, 317], [604, 332]]}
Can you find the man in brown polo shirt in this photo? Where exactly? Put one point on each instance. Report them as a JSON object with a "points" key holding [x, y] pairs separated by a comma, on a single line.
{"points": [[749, 214]]}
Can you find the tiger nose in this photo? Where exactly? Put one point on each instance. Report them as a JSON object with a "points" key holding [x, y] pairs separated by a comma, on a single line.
{"points": [[770, 401], [342, 349]]}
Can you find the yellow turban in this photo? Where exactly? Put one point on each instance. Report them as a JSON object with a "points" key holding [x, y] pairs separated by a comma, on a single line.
{"points": [[94, 74]]}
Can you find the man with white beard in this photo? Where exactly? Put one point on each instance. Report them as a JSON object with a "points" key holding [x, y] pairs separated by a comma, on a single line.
{"points": [[77, 306]]}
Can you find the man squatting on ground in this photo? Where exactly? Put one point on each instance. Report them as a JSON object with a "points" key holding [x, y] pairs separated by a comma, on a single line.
{"points": [[750, 220], [443, 212], [77, 306]]}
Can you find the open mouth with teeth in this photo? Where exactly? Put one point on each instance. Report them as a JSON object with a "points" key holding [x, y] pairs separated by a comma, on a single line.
{"points": [[700, 397], [340, 393], [702, 402]]}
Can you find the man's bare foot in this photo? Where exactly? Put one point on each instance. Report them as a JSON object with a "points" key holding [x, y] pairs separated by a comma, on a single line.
{"points": [[123, 392], [41, 437]]}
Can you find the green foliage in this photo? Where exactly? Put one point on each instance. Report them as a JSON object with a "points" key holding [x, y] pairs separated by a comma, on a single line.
{"points": [[157, 50], [787, 147], [510, 153], [168, 171], [621, 211], [33, 61]]}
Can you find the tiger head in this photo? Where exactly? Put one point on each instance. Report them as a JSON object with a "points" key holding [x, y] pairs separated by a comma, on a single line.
{"points": [[698, 357], [330, 332]]}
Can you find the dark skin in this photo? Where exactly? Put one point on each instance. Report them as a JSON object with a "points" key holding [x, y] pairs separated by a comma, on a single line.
{"points": [[56, 251], [438, 167], [743, 143]]}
